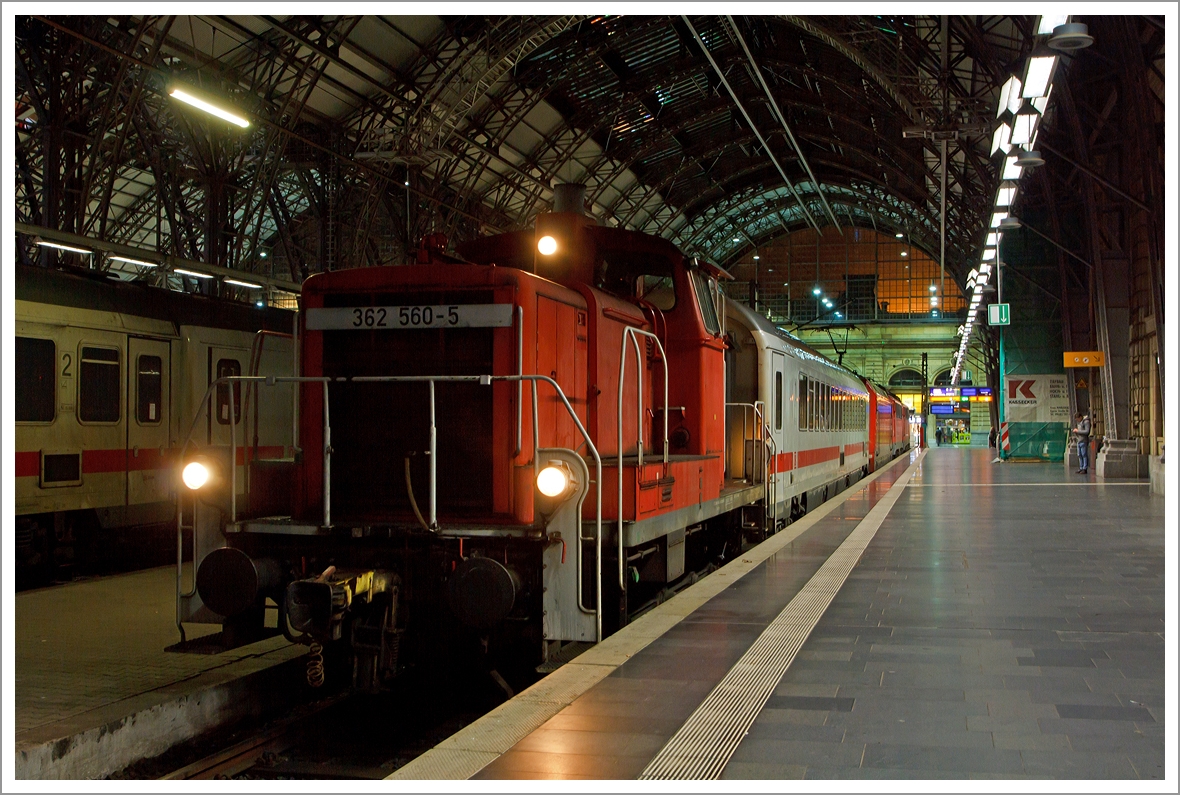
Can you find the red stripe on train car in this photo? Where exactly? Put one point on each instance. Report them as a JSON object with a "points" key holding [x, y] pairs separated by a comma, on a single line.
{"points": [[27, 465], [98, 462], [784, 462], [817, 456]]}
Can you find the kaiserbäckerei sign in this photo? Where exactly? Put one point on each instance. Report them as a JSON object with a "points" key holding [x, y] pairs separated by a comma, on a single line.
{"points": [[1037, 398]]}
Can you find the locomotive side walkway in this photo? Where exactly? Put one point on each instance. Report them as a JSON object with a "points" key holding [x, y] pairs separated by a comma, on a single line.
{"points": [[95, 689], [1004, 621]]}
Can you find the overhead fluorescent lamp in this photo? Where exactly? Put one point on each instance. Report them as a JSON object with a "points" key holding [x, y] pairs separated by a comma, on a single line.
{"points": [[1011, 170], [1010, 87], [1002, 139], [1006, 194], [1040, 103], [997, 217], [237, 283], [993, 239], [1050, 21], [209, 108], [141, 263], [64, 247], [899, 235], [1038, 75], [194, 274], [1024, 124]]}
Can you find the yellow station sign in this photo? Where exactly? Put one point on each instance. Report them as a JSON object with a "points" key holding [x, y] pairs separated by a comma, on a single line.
{"points": [[1084, 359]]}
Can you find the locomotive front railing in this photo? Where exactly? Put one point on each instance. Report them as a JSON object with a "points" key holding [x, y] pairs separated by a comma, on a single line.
{"points": [[632, 334], [486, 380]]}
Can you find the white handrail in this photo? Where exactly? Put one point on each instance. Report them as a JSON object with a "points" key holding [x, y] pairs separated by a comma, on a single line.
{"points": [[632, 333]]}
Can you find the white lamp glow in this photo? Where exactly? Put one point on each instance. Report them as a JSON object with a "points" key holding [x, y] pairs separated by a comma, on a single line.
{"points": [[211, 109]]}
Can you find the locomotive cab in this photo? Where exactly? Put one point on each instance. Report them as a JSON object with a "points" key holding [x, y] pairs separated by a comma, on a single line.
{"points": [[520, 443]]}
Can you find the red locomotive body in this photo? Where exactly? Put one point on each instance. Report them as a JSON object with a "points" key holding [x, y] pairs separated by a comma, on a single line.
{"points": [[514, 447]]}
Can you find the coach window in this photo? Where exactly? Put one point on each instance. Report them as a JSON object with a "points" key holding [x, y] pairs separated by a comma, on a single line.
{"points": [[812, 403], [36, 374], [802, 402], [229, 368], [148, 389], [98, 385], [778, 401], [838, 408]]}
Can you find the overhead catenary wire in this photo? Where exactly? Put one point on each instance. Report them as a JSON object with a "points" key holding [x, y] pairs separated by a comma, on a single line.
{"points": [[782, 120], [733, 95]]}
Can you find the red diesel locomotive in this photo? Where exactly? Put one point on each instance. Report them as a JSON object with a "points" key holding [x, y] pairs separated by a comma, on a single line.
{"points": [[519, 447]]}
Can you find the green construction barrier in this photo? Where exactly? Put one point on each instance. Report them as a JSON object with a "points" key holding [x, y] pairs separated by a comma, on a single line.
{"points": [[1044, 440]]}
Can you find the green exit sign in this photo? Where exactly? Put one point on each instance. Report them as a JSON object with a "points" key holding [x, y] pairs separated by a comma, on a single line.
{"points": [[998, 315]]}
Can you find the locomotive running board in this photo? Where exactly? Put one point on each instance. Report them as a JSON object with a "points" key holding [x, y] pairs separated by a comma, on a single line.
{"points": [[645, 530]]}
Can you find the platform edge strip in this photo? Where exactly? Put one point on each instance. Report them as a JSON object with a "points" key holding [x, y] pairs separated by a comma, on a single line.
{"points": [[468, 751], [703, 746]]}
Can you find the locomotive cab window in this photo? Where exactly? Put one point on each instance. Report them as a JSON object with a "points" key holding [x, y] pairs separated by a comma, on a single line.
{"points": [[659, 291], [98, 385], [630, 275], [700, 286], [228, 368], [148, 389], [36, 374]]}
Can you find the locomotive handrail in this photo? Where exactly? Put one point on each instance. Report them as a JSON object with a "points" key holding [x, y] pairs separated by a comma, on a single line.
{"points": [[481, 379], [632, 333], [766, 437]]}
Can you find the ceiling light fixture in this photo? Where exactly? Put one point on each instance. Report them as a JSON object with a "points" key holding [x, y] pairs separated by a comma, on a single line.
{"points": [[237, 283], [208, 107], [194, 274], [139, 262], [64, 247]]}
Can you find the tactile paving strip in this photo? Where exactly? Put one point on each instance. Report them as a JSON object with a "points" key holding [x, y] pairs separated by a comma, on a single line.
{"points": [[702, 747]]}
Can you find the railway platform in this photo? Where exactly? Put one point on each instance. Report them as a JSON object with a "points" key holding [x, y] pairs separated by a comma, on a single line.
{"points": [[947, 617], [95, 695]]}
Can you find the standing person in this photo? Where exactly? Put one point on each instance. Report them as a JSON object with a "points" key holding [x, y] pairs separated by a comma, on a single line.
{"points": [[1081, 433], [991, 438], [938, 436]]}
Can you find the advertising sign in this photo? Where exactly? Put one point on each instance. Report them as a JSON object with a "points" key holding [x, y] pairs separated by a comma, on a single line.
{"points": [[1037, 398]]}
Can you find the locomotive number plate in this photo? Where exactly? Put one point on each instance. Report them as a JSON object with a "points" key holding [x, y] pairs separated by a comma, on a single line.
{"points": [[403, 317]]}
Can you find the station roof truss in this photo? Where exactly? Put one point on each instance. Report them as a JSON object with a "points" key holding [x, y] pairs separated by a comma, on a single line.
{"points": [[370, 131]]}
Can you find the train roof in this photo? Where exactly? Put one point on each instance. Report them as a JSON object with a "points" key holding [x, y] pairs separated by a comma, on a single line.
{"points": [[800, 347], [89, 290]]}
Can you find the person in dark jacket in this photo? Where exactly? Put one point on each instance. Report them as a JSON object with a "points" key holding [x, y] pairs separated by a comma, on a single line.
{"points": [[1081, 435]]}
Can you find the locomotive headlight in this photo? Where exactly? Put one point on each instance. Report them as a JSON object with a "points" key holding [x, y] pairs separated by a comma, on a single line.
{"points": [[554, 480], [195, 475], [547, 245]]}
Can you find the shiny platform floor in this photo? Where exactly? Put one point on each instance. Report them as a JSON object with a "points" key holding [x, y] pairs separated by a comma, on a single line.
{"points": [[1005, 621], [91, 654]]}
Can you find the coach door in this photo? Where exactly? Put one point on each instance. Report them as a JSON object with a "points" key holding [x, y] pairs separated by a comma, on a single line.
{"points": [[149, 476], [776, 414]]}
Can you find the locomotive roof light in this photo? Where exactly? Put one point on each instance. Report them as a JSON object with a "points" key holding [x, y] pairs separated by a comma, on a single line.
{"points": [[547, 245], [555, 480]]}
